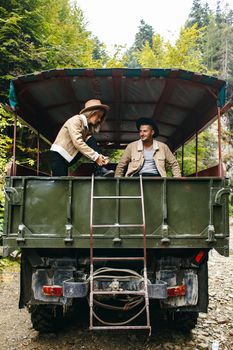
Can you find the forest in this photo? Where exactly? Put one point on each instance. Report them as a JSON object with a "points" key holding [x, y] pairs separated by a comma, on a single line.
{"points": [[38, 35]]}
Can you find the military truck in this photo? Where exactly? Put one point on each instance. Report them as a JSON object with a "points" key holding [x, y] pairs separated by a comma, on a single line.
{"points": [[134, 250]]}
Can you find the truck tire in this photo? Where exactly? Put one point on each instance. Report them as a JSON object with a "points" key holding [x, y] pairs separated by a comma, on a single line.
{"points": [[183, 321], [46, 319]]}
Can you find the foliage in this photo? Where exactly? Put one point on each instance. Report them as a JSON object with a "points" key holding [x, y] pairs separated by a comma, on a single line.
{"points": [[154, 56], [99, 50], [216, 42], [207, 157], [20, 50], [38, 35], [185, 54], [6, 142], [231, 209], [216, 46], [199, 14], [26, 148], [43, 34], [114, 155], [144, 35], [118, 58], [65, 41], [9, 265]]}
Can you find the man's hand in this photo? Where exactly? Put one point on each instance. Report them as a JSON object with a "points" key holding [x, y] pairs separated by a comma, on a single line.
{"points": [[102, 160]]}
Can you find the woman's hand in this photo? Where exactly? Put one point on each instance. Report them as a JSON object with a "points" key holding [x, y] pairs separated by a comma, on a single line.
{"points": [[102, 160]]}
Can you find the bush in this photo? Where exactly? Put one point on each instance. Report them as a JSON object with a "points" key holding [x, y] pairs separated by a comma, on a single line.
{"points": [[231, 210]]}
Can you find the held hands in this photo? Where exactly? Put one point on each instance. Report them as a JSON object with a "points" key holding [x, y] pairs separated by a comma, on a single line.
{"points": [[102, 160]]}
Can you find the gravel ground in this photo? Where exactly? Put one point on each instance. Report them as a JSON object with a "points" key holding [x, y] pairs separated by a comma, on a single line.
{"points": [[216, 326]]}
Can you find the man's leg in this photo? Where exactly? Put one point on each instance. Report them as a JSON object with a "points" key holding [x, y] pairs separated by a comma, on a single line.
{"points": [[91, 142], [99, 170]]}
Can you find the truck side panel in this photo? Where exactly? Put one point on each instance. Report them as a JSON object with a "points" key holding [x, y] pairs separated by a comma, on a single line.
{"points": [[180, 213]]}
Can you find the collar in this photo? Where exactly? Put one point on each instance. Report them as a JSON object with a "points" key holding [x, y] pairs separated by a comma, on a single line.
{"points": [[84, 120], [140, 145]]}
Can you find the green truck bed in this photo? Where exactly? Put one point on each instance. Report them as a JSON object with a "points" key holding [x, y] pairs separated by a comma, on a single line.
{"points": [[46, 212]]}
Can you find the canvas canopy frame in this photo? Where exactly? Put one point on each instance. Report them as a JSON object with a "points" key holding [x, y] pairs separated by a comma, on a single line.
{"points": [[182, 103]]}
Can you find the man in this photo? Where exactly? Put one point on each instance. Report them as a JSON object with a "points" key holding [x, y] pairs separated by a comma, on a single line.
{"points": [[75, 139], [147, 157]]}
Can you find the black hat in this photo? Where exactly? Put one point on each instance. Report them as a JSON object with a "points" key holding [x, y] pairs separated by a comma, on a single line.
{"points": [[148, 121]]}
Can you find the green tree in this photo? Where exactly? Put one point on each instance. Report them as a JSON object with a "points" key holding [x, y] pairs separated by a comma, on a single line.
{"points": [[199, 14], [19, 41], [65, 40], [43, 34], [38, 35], [218, 57], [185, 54], [218, 13], [117, 59], [154, 56], [207, 153], [216, 41], [6, 143], [144, 35], [99, 50]]}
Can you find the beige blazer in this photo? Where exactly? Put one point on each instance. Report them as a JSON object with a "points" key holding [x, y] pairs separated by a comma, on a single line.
{"points": [[71, 139], [133, 157]]}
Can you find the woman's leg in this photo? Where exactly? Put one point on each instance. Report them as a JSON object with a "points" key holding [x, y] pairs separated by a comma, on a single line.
{"points": [[59, 165]]}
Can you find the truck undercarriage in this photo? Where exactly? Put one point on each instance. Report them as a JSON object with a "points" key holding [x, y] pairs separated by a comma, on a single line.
{"points": [[177, 287]]}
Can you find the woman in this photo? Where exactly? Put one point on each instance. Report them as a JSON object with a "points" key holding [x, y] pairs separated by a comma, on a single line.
{"points": [[75, 139]]}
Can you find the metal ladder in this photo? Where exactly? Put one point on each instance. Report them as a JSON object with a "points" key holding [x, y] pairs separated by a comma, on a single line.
{"points": [[93, 259]]}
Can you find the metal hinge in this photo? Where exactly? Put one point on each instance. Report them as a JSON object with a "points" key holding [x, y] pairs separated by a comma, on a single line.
{"points": [[222, 191], [13, 195]]}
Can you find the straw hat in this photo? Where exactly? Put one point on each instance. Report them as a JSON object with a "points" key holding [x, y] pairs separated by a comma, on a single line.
{"points": [[94, 104]]}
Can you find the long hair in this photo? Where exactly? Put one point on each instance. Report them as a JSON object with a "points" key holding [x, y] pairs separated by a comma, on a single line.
{"points": [[93, 128]]}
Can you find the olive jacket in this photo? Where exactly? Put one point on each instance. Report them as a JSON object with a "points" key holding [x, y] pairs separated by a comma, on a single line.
{"points": [[133, 157], [71, 139]]}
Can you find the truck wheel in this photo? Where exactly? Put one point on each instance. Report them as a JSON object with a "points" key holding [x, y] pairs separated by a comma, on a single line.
{"points": [[183, 321], [46, 319]]}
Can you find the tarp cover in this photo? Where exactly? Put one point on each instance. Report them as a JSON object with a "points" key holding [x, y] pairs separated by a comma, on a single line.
{"points": [[180, 102]]}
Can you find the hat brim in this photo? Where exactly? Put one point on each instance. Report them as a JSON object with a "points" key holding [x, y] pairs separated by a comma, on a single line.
{"points": [[104, 107]]}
